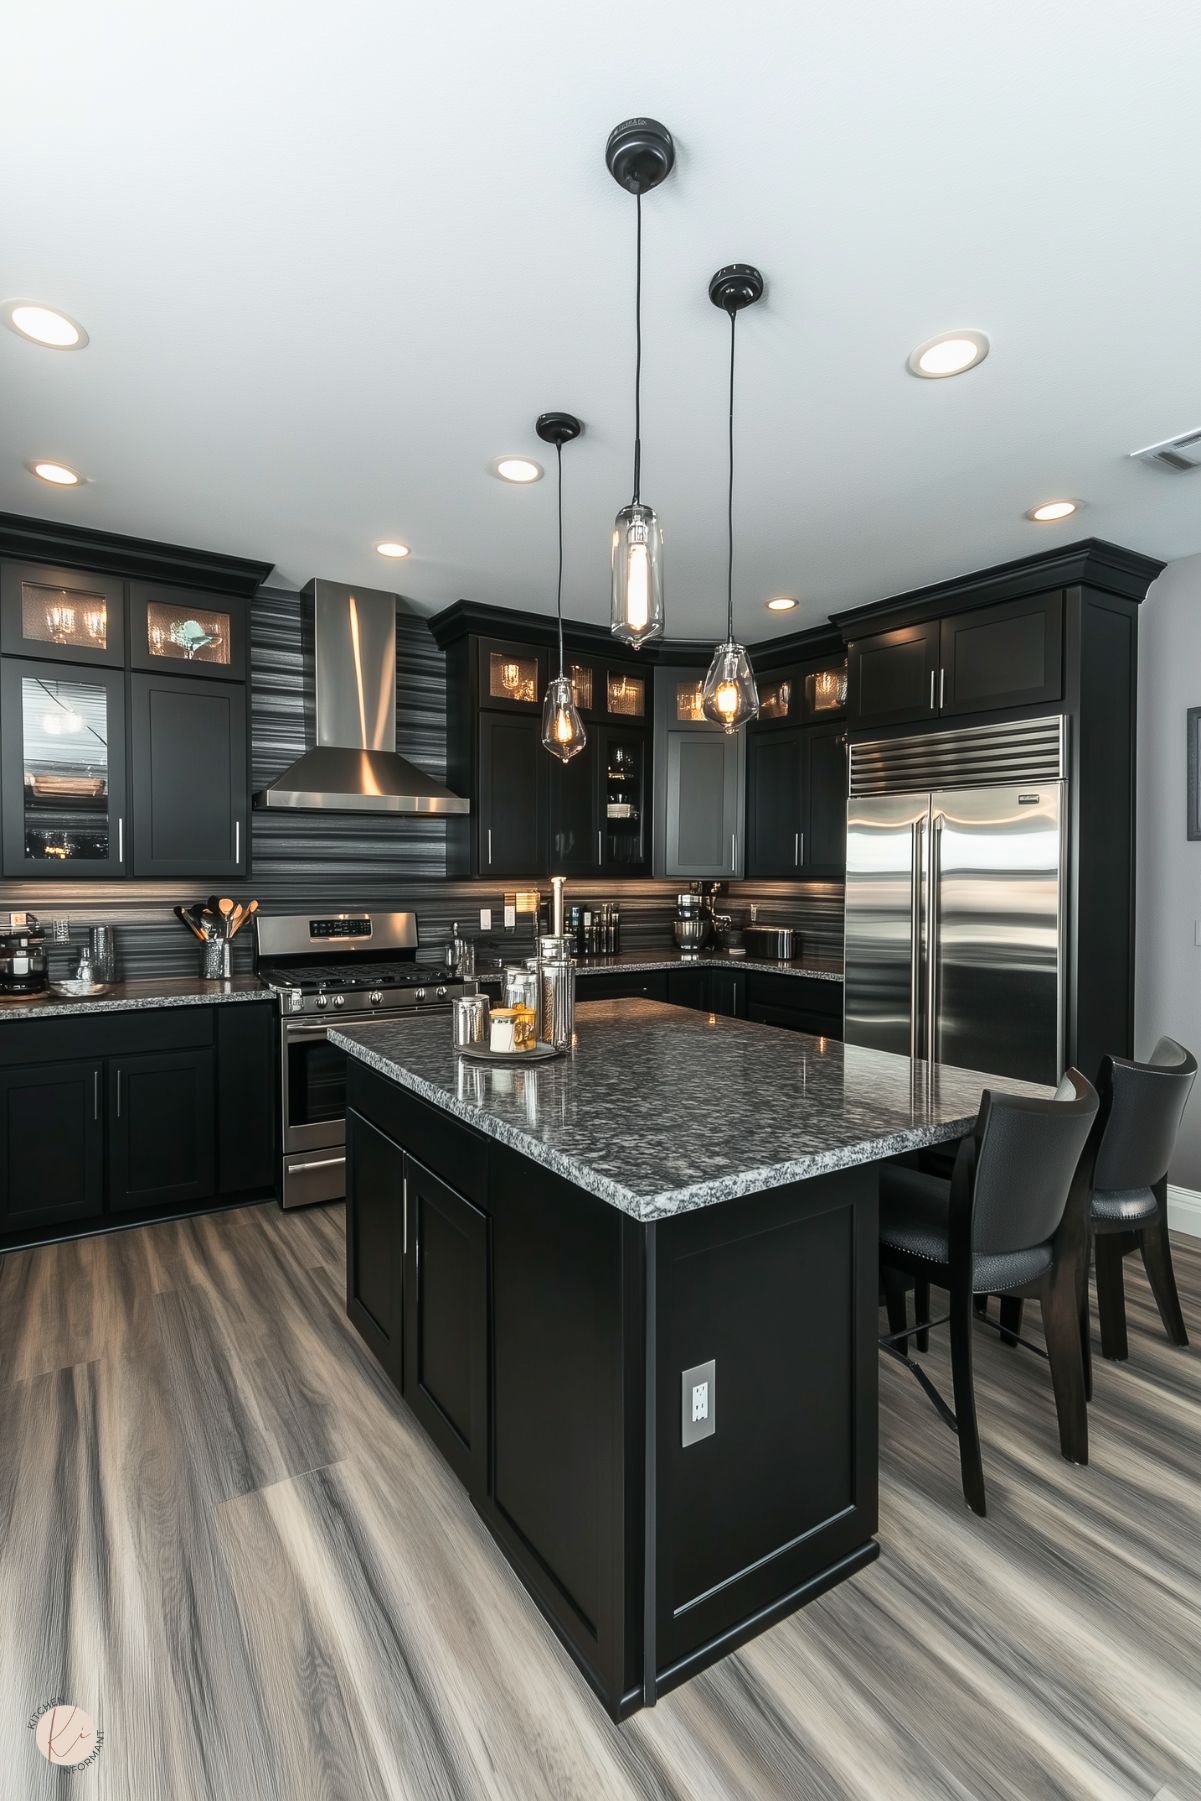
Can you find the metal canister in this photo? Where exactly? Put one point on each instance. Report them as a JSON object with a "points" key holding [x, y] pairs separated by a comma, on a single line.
{"points": [[556, 997], [521, 987], [469, 1019]]}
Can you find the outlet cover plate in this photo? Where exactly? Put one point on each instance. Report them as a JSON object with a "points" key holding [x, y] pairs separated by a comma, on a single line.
{"points": [[693, 1430]]}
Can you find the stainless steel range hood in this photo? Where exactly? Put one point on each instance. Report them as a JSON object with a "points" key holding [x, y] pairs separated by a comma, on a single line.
{"points": [[354, 766]]}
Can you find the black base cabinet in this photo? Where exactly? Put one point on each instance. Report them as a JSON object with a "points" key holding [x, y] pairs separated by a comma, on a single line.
{"points": [[540, 1336], [116, 1118], [799, 1003]]}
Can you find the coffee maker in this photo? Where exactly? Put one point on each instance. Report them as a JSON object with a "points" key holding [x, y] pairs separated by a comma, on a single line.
{"points": [[22, 958]]}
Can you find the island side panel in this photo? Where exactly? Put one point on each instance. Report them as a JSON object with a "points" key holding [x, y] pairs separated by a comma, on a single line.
{"points": [[780, 1502]]}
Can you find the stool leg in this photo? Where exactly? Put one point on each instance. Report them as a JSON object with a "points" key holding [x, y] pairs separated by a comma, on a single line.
{"points": [[1111, 1298], [970, 1467], [1086, 1342], [1061, 1328], [980, 1303], [1011, 1318], [1157, 1259], [921, 1311], [894, 1302]]}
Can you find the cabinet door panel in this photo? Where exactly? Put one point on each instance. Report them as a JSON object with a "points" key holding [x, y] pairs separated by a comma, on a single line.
{"points": [[702, 805], [190, 798], [196, 634], [650, 985], [446, 1321], [777, 803], [62, 613], [375, 1241], [727, 993], [62, 733], [623, 755], [826, 832], [51, 1144], [162, 1130], [892, 675], [575, 843], [1004, 656], [512, 811]]}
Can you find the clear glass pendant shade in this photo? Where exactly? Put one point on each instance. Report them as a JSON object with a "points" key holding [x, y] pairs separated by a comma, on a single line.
{"points": [[563, 733], [637, 614], [730, 698]]}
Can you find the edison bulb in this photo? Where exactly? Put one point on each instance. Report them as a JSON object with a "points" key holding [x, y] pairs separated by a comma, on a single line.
{"points": [[563, 733], [636, 614], [729, 697]]}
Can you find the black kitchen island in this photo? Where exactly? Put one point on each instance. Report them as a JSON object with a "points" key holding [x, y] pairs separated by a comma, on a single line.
{"points": [[551, 1262]]}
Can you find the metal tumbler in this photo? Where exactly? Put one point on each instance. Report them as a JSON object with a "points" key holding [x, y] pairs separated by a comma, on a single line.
{"points": [[469, 1016]]}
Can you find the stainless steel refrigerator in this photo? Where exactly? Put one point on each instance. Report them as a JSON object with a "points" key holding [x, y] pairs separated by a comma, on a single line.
{"points": [[955, 897]]}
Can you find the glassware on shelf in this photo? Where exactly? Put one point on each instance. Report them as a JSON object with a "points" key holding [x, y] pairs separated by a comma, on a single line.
{"points": [[512, 677], [626, 695], [690, 697], [581, 684], [775, 700], [828, 690], [173, 631]]}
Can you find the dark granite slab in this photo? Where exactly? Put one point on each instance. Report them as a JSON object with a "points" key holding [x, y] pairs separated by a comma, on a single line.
{"points": [[661, 1109], [166, 991], [670, 958]]}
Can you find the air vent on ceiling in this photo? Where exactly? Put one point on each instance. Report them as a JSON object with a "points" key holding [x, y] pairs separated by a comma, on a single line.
{"points": [[1176, 454]]}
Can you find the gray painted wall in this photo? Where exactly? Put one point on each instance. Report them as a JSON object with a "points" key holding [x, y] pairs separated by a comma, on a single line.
{"points": [[1167, 956]]}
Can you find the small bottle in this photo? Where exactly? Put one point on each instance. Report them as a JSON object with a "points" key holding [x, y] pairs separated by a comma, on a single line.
{"points": [[587, 935], [616, 928]]}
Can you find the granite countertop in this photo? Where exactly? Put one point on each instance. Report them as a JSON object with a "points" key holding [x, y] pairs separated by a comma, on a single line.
{"points": [[162, 991], [660, 1109], [670, 958]]}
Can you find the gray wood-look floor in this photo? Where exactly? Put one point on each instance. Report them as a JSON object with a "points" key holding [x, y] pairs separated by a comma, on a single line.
{"points": [[221, 1534]]}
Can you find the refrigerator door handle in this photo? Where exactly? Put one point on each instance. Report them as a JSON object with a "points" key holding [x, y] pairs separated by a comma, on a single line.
{"points": [[915, 935], [932, 943]]}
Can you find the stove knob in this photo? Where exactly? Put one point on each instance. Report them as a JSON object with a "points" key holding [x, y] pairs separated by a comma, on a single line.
{"points": [[419, 995], [296, 1001], [375, 997], [339, 1000], [323, 1000], [441, 994]]}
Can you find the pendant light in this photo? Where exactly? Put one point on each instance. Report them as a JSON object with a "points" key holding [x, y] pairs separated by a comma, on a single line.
{"points": [[639, 155], [563, 731], [729, 697]]}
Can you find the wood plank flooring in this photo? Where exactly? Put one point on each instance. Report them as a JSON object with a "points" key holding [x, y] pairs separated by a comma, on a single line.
{"points": [[222, 1535]]}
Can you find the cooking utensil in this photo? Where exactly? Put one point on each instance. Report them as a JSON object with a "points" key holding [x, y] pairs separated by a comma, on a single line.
{"points": [[182, 913]]}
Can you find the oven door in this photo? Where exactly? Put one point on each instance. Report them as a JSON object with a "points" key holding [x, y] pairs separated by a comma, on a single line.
{"points": [[313, 1087]]}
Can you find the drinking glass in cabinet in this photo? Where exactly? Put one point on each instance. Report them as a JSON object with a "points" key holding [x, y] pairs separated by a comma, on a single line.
{"points": [[775, 700], [626, 695], [65, 729], [175, 632], [512, 677], [581, 685], [827, 689], [623, 802], [689, 701], [69, 616]]}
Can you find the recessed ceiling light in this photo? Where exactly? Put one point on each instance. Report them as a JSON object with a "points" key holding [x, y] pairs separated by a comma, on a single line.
{"points": [[517, 469], [392, 549], [780, 603], [61, 474], [43, 324], [950, 353], [1051, 510]]}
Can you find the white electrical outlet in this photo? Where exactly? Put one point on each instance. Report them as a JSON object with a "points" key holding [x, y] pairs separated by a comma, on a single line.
{"points": [[485, 919], [697, 1398], [510, 916]]}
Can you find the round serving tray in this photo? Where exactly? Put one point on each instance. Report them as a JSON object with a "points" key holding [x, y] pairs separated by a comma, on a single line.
{"points": [[541, 1053], [79, 991]]}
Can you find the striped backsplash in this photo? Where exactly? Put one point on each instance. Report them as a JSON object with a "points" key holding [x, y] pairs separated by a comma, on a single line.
{"points": [[328, 861]]}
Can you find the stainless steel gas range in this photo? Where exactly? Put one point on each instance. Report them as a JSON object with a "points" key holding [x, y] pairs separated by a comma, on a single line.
{"points": [[334, 967]]}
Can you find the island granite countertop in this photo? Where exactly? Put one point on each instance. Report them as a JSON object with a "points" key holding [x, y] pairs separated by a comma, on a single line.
{"points": [[161, 991], [661, 1109], [668, 957]]}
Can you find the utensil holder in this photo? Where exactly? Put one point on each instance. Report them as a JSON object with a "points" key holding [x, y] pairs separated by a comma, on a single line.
{"points": [[215, 960]]}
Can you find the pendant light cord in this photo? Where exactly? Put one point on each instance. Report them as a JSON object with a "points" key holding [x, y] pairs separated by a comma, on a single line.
{"points": [[730, 496], [638, 360], [559, 586]]}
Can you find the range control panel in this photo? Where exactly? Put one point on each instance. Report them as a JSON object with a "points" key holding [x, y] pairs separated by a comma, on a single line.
{"points": [[339, 928]]}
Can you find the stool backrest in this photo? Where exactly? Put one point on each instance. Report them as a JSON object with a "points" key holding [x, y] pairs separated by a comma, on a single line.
{"points": [[1027, 1153], [1143, 1105]]}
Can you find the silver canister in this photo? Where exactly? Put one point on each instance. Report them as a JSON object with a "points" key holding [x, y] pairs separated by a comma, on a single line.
{"points": [[556, 997], [521, 986], [104, 954], [469, 1018]]}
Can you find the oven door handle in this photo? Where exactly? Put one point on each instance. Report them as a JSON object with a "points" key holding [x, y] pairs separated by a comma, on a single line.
{"points": [[297, 1034]]}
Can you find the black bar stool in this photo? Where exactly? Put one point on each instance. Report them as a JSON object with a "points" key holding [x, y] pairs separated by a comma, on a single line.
{"points": [[1012, 1220]]}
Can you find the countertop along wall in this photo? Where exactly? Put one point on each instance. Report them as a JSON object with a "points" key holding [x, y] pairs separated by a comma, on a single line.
{"points": [[1167, 981], [338, 860]]}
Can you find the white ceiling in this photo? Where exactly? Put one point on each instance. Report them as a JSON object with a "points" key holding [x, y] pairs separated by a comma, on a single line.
{"points": [[333, 259]]}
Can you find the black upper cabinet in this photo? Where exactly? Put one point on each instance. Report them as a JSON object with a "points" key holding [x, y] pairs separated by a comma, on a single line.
{"points": [[826, 831], [62, 744], [162, 1129], [51, 1144], [189, 776], [575, 831], [893, 676], [68, 614], [1004, 656], [777, 802], [511, 795], [511, 677], [187, 631]]}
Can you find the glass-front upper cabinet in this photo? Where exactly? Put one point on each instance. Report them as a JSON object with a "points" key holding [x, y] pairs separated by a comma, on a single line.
{"points": [[63, 770], [623, 780], [779, 697], [625, 694], [511, 676], [187, 631], [826, 688], [70, 614]]}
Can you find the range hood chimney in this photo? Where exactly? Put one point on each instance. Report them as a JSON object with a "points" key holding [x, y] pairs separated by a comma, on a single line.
{"points": [[354, 766]]}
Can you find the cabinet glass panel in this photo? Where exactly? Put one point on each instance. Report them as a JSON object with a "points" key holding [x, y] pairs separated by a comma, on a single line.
{"points": [[69, 616], [581, 685], [690, 701], [182, 635], [775, 700], [624, 777], [513, 677], [827, 689], [65, 734], [626, 694]]}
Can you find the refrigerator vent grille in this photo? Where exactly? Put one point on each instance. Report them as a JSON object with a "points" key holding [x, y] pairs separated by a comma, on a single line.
{"points": [[1025, 750]]}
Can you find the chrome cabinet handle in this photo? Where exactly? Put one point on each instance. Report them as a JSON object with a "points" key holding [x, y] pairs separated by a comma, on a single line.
{"points": [[796, 850], [120, 838], [931, 690], [733, 852], [118, 1094], [600, 850], [489, 844], [404, 1231], [237, 840], [942, 683], [95, 1094]]}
